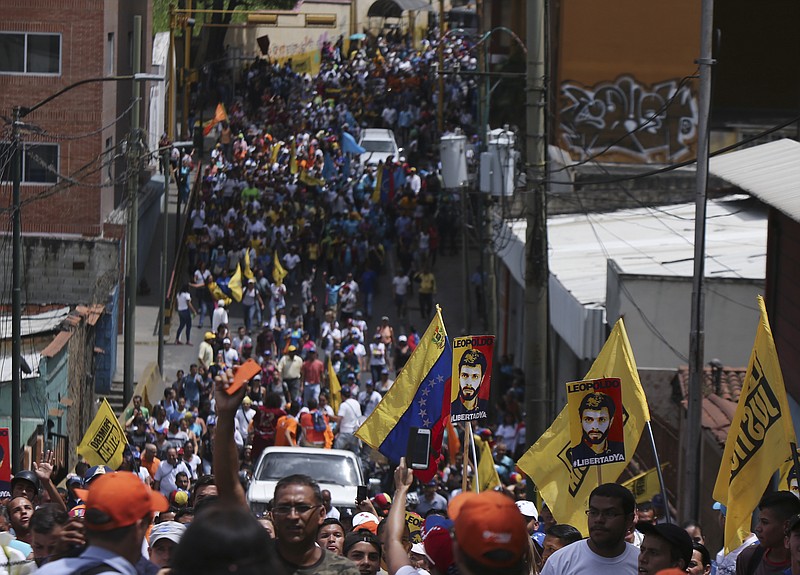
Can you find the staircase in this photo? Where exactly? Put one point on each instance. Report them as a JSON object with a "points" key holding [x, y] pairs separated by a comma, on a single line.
{"points": [[115, 397]]}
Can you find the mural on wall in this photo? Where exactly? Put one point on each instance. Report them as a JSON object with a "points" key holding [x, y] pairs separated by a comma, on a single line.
{"points": [[596, 120]]}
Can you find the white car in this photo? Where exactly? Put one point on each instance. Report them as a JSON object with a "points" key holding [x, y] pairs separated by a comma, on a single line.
{"points": [[336, 470], [379, 144]]}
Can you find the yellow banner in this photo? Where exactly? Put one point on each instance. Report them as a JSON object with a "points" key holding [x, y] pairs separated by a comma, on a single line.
{"points": [[759, 439], [105, 440], [645, 485], [487, 473], [278, 271], [564, 488], [336, 388]]}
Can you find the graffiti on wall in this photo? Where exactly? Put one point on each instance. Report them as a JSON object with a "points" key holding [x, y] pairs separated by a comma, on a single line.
{"points": [[625, 120]]}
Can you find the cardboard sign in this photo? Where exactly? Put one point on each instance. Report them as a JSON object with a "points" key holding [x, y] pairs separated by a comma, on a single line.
{"points": [[5, 464], [595, 421], [244, 373], [472, 377]]}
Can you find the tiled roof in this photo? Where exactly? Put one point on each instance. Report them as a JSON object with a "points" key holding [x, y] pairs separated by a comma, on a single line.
{"points": [[719, 397]]}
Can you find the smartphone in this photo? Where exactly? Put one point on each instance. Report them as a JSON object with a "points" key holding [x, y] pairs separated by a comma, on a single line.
{"points": [[361, 493], [418, 452]]}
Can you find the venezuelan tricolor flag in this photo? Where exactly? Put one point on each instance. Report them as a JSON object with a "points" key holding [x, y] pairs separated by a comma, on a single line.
{"points": [[420, 397]]}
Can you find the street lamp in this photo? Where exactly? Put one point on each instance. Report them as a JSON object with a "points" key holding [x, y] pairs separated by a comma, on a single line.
{"points": [[18, 113]]}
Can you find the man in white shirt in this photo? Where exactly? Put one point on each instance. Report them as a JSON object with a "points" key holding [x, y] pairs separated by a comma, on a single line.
{"points": [[400, 284], [244, 415], [605, 552], [167, 470], [220, 316], [350, 418], [369, 399]]}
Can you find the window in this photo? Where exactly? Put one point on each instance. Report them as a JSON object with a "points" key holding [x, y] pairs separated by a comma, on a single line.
{"points": [[39, 163], [22, 53], [110, 54]]}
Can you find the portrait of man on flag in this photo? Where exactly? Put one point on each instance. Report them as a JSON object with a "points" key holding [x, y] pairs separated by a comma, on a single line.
{"points": [[596, 422], [472, 369]]}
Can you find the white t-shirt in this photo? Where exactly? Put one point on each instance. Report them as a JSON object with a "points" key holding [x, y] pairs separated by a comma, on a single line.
{"points": [[578, 559], [166, 473], [401, 284], [350, 412], [183, 298], [377, 353]]}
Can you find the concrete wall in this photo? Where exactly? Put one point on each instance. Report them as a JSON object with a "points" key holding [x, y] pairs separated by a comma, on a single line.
{"points": [[730, 319], [618, 63], [64, 270]]}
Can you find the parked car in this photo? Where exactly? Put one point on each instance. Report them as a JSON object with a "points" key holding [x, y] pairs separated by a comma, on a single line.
{"points": [[379, 144], [336, 470]]}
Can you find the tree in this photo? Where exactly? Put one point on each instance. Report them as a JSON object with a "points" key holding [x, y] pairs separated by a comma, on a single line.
{"points": [[212, 46]]}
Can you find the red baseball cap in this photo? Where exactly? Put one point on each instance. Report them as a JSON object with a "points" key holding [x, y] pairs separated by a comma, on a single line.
{"points": [[121, 498], [489, 528]]}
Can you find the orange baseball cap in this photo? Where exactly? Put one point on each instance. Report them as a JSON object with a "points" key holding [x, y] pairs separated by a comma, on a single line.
{"points": [[489, 528], [121, 498]]}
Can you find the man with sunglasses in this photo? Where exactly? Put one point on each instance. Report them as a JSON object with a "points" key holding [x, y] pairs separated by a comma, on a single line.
{"points": [[297, 509], [605, 552]]}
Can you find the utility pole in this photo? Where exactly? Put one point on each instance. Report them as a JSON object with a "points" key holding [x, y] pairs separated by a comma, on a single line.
{"points": [[690, 480], [133, 221], [188, 28], [16, 294], [162, 292], [440, 93], [537, 384], [171, 77]]}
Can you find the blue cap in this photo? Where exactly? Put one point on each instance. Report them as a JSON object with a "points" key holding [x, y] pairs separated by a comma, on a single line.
{"points": [[720, 507], [94, 472]]}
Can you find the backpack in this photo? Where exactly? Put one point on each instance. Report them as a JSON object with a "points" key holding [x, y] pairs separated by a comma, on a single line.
{"points": [[320, 424]]}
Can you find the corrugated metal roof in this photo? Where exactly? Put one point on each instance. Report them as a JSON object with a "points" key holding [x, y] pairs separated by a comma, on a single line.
{"points": [[32, 359], [770, 172], [33, 324], [647, 241], [643, 241]]}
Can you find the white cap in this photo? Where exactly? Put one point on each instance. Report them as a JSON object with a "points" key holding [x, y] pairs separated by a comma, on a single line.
{"points": [[364, 517], [528, 509]]}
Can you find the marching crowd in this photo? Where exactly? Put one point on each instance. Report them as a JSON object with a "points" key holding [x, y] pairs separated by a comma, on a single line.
{"points": [[312, 234]]}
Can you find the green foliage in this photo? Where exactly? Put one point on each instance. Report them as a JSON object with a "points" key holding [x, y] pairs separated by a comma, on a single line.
{"points": [[161, 9]]}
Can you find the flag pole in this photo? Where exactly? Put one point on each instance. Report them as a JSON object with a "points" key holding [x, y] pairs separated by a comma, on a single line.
{"points": [[660, 475], [465, 459], [474, 457], [599, 474], [795, 460]]}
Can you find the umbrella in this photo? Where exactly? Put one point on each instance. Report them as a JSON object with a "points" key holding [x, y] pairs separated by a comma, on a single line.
{"points": [[358, 36]]}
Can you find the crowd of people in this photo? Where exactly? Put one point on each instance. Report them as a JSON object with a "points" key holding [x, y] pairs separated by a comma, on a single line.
{"points": [[313, 233]]}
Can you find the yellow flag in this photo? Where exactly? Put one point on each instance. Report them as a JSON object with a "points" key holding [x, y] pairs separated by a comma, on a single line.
{"points": [[217, 294], [788, 480], [293, 157], [759, 439], [278, 271], [105, 440], [645, 485], [566, 489], [487, 473], [376, 194], [310, 180], [235, 284], [276, 149], [336, 388], [248, 272]]}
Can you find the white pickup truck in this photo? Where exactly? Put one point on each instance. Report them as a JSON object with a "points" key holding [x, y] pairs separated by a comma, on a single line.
{"points": [[336, 470]]}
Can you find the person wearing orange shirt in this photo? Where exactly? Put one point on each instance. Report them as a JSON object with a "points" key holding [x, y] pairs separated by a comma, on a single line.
{"points": [[286, 429], [311, 436]]}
